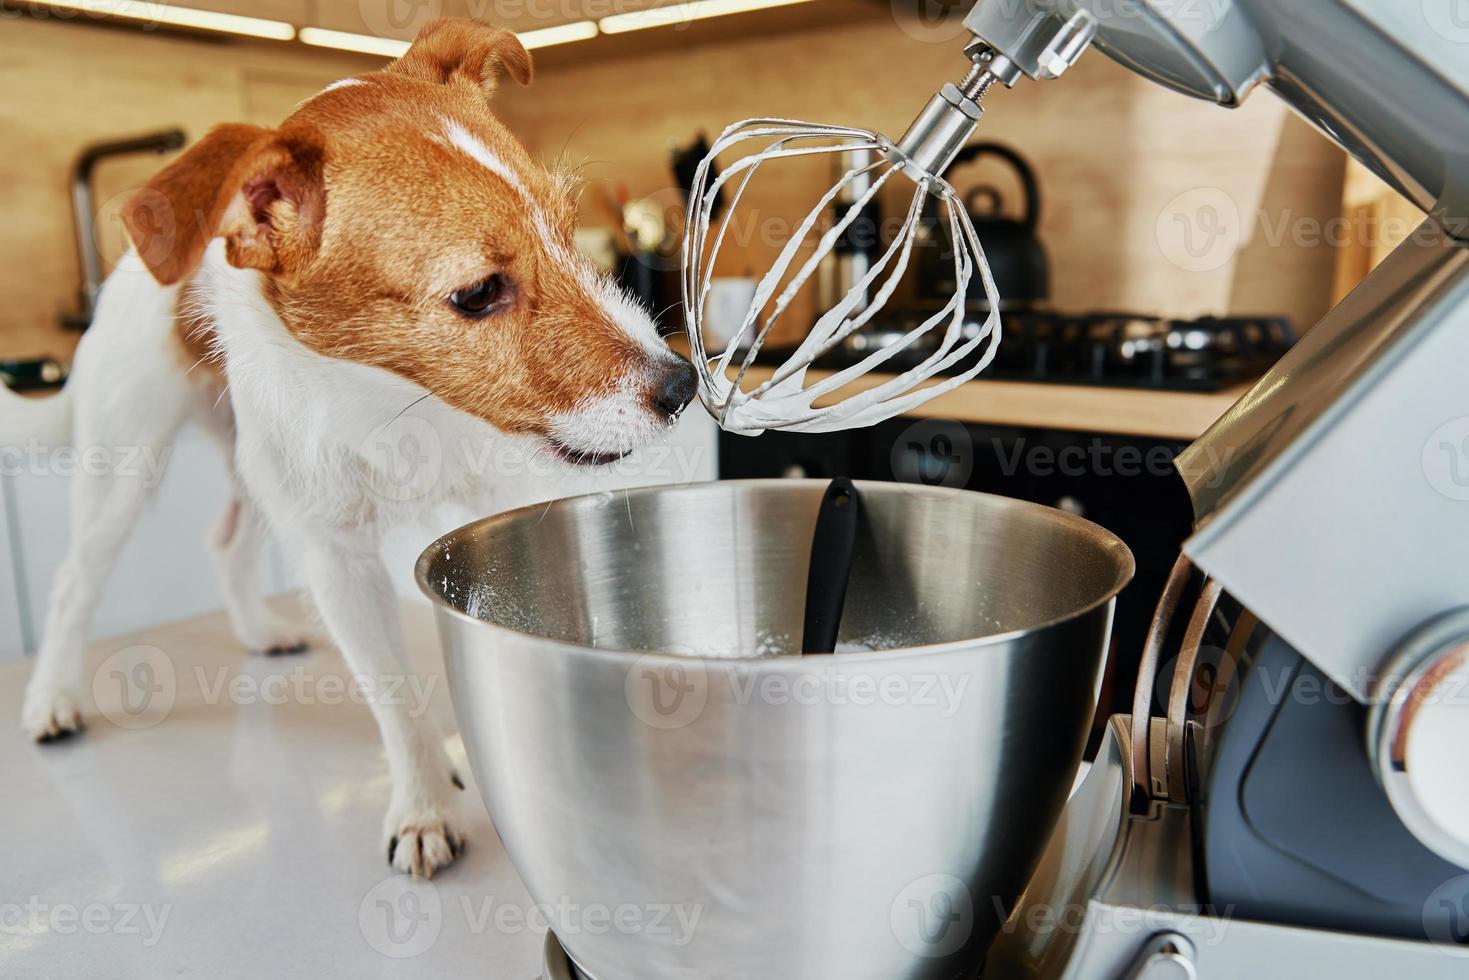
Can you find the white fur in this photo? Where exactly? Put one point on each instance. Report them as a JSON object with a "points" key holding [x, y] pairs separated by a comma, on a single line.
{"points": [[303, 432], [339, 83], [464, 140]]}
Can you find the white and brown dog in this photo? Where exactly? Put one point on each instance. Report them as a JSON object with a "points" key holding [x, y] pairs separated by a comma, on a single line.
{"points": [[390, 241]]}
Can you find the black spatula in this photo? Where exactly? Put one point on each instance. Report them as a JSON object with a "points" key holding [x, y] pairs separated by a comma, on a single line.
{"points": [[831, 566]]}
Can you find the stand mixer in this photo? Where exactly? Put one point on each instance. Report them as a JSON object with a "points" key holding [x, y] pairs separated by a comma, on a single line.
{"points": [[1302, 809]]}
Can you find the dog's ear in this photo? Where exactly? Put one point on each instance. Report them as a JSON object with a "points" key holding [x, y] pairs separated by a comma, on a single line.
{"points": [[450, 48], [258, 189]]}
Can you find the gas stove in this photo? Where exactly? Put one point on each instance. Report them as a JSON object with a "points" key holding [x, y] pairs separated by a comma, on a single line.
{"points": [[1126, 350], [1131, 350]]}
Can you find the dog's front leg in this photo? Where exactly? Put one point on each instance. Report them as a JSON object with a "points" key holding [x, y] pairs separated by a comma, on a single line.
{"points": [[355, 598]]}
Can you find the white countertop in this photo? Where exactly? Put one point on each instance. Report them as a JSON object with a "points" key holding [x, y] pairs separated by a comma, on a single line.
{"points": [[240, 834]]}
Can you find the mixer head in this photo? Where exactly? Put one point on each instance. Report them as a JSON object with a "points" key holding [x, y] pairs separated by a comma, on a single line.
{"points": [[786, 400], [846, 399]]}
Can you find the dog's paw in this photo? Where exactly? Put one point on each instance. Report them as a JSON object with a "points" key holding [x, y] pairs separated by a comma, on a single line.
{"points": [[422, 847], [50, 715], [286, 648], [276, 638]]}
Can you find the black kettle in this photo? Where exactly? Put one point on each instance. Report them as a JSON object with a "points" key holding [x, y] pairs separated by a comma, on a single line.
{"points": [[1017, 258]]}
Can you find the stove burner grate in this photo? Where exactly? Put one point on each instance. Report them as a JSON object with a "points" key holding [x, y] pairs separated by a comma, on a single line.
{"points": [[1124, 350]]}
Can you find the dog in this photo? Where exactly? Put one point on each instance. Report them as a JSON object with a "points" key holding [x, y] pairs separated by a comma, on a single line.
{"points": [[390, 244]]}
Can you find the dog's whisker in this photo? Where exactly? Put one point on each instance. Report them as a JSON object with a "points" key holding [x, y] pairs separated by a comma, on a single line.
{"points": [[408, 406]]}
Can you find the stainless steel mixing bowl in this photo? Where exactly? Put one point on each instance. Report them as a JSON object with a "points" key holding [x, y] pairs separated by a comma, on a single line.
{"points": [[680, 814]]}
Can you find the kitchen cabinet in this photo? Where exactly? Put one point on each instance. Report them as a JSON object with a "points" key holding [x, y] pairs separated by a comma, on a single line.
{"points": [[12, 644], [164, 572]]}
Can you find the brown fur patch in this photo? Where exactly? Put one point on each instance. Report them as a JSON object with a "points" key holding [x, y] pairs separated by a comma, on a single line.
{"points": [[365, 220]]}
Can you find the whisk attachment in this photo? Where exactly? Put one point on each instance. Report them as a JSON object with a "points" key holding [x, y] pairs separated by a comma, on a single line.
{"points": [[845, 399]]}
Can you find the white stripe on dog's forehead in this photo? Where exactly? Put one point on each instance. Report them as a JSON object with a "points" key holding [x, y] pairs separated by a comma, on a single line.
{"points": [[474, 147], [339, 83], [629, 316]]}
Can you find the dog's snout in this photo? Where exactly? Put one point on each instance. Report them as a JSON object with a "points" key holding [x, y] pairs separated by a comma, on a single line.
{"points": [[676, 386]]}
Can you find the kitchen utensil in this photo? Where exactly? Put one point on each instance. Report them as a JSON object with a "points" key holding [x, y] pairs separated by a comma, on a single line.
{"points": [[886, 332], [684, 161], [647, 268], [724, 312], [859, 245], [1017, 258], [613, 663], [830, 566], [786, 400]]}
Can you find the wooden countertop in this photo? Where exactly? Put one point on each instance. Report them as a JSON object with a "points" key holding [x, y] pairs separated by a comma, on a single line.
{"points": [[1081, 408]]}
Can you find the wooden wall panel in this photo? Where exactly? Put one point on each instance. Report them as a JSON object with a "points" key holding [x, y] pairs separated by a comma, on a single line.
{"points": [[1120, 158], [290, 11], [1377, 219], [401, 19], [69, 84], [1122, 161]]}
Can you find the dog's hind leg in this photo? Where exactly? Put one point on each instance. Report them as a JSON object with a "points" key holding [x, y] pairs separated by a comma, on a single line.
{"points": [[105, 502], [130, 394], [236, 544]]}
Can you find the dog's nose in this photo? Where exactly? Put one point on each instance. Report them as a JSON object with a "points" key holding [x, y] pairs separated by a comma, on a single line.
{"points": [[676, 387]]}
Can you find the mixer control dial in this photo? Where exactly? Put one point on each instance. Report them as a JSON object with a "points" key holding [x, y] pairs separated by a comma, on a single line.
{"points": [[1417, 730]]}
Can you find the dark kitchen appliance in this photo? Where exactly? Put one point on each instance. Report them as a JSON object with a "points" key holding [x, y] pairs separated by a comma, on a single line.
{"points": [[1124, 350], [32, 373], [1021, 268], [860, 244], [1138, 351], [1126, 484]]}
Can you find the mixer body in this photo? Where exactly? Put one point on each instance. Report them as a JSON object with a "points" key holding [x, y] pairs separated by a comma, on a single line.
{"points": [[1124, 894], [1388, 80], [1330, 499]]}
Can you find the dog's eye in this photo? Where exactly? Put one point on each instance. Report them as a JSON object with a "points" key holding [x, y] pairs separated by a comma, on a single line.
{"points": [[483, 298]]}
